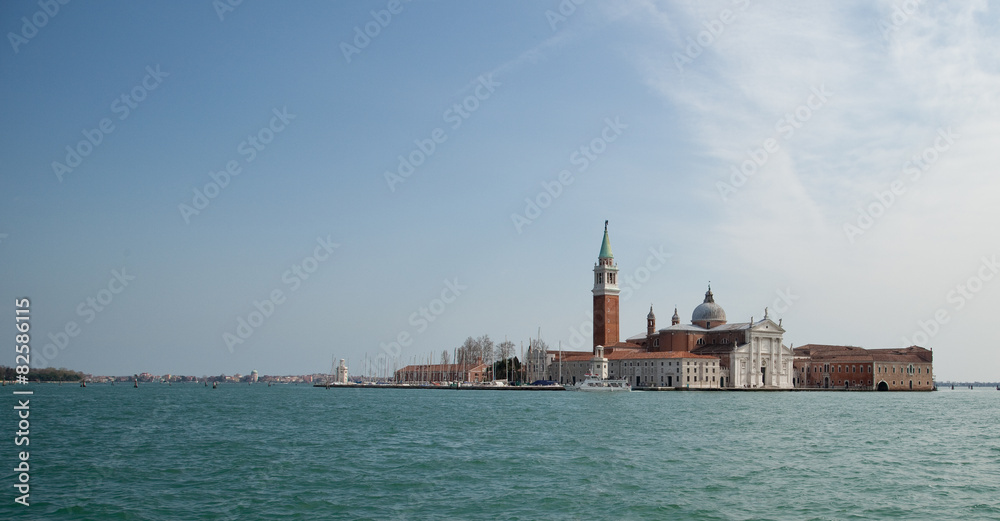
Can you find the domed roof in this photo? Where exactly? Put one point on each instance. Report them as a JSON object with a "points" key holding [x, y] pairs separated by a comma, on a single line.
{"points": [[650, 315], [708, 310]]}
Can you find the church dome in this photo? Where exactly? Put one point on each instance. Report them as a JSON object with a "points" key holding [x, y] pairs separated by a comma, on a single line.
{"points": [[708, 312]]}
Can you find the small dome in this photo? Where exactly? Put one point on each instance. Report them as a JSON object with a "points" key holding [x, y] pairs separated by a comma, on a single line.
{"points": [[650, 315], [708, 311]]}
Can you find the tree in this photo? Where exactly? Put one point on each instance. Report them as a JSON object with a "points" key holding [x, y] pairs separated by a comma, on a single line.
{"points": [[468, 352], [445, 357], [505, 350], [485, 347]]}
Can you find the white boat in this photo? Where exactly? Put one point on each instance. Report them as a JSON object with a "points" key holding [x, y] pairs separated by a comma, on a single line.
{"points": [[594, 383]]}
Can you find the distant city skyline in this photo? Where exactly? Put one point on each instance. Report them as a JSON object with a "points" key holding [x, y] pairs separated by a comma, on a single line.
{"points": [[205, 189]]}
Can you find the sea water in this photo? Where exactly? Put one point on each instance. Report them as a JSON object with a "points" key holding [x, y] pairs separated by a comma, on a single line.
{"points": [[186, 451]]}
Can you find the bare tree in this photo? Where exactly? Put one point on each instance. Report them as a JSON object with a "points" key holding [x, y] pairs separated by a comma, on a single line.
{"points": [[485, 347], [445, 357], [468, 352], [505, 353], [505, 350]]}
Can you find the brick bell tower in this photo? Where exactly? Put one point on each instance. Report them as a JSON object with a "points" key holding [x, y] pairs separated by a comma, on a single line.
{"points": [[605, 296]]}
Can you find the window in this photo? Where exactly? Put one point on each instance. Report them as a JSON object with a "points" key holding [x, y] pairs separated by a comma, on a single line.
{"points": [[689, 379]]}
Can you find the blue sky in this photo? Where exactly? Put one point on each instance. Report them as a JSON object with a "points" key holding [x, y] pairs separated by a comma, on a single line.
{"points": [[865, 212]]}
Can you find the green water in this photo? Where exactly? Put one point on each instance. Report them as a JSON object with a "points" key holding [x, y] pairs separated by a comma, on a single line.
{"points": [[296, 452]]}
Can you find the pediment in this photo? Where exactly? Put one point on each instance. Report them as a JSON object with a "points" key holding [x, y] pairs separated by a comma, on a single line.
{"points": [[767, 325]]}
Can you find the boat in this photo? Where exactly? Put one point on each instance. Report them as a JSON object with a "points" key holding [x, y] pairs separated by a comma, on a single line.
{"points": [[595, 383]]}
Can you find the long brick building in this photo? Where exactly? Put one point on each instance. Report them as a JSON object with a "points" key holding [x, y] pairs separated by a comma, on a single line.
{"points": [[847, 367]]}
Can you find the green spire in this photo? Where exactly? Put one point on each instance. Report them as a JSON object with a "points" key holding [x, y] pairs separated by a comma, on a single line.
{"points": [[606, 245]]}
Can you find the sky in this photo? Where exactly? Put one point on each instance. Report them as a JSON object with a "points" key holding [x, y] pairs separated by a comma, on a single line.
{"points": [[200, 188]]}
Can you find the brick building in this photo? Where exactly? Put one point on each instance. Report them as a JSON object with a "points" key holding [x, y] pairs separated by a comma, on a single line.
{"points": [[441, 373], [850, 367]]}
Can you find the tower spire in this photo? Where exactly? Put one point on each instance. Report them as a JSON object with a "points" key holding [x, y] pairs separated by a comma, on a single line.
{"points": [[606, 245], [605, 292]]}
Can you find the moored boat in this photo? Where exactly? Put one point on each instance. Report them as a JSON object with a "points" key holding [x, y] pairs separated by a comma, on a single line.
{"points": [[595, 383]]}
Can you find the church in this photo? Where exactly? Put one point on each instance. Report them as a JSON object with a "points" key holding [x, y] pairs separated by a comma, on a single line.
{"points": [[709, 352]]}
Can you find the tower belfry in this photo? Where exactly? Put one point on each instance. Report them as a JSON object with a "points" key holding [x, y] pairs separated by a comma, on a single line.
{"points": [[605, 296]]}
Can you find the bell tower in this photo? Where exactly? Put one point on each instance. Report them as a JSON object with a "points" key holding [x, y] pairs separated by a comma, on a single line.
{"points": [[605, 296]]}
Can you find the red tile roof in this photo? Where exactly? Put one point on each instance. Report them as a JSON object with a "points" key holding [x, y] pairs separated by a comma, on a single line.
{"points": [[639, 355]]}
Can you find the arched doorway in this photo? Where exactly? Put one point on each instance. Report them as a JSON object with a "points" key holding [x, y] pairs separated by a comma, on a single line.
{"points": [[882, 386]]}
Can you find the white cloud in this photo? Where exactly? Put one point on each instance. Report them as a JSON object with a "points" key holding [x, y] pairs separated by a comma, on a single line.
{"points": [[938, 68]]}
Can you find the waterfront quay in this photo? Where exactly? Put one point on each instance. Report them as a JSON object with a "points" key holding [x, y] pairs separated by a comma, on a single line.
{"points": [[446, 387]]}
